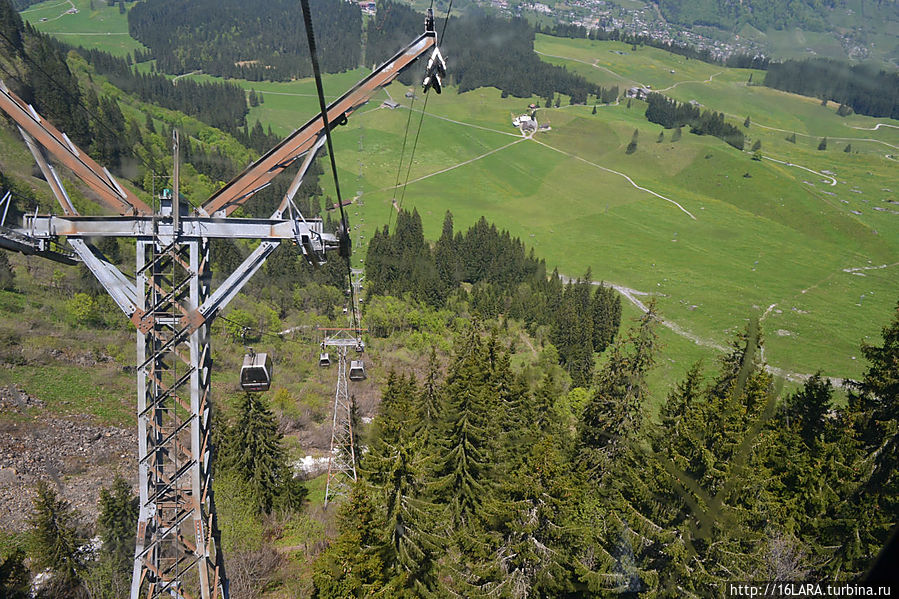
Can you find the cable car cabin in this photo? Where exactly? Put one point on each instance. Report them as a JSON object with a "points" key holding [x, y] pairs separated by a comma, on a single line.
{"points": [[256, 372], [324, 360], [357, 370]]}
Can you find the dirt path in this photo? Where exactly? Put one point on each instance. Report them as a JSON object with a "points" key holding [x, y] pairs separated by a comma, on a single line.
{"points": [[709, 80], [633, 296], [620, 174], [876, 127], [833, 180]]}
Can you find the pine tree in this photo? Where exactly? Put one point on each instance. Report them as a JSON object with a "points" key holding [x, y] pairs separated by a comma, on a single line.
{"points": [[822, 145], [848, 148], [614, 416], [746, 122], [677, 134], [54, 541], [632, 146], [15, 580], [254, 453], [874, 413], [463, 468], [116, 523], [429, 404], [352, 564]]}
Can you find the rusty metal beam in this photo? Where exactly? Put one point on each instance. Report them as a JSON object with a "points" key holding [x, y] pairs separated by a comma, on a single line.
{"points": [[110, 193], [260, 173]]}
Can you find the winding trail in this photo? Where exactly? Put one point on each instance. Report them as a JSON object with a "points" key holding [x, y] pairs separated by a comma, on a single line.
{"points": [[849, 139], [861, 268], [709, 80], [620, 174], [833, 180], [633, 295], [876, 127]]}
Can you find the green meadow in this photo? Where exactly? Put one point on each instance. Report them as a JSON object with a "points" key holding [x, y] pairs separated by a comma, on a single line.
{"points": [[94, 25], [711, 235], [762, 238]]}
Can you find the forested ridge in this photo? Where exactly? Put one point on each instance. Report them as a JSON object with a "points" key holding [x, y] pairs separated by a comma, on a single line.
{"points": [[864, 88], [248, 40], [503, 280]]}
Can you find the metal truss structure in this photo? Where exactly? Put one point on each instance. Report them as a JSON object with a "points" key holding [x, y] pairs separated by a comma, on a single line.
{"points": [[342, 456], [172, 305]]}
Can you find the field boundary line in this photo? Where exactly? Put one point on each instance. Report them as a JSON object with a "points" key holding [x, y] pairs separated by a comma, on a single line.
{"points": [[590, 64], [455, 166], [620, 174]]}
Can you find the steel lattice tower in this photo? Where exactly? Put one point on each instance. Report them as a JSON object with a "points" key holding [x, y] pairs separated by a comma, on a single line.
{"points": [[342, 457], [172, 306]]}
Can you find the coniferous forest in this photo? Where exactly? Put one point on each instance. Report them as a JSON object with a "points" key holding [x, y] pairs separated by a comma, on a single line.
{"points": [[249, 40], [495, 471], [479, 482], [862, 87], [671, 113]]}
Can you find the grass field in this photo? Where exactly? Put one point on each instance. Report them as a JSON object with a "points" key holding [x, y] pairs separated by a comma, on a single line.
{"points": [[765, 234], [94, 25], [714, 236]]}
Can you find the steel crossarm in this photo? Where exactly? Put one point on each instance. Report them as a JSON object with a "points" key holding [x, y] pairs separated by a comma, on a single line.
{"points": [[258, 175], [112, 194]]}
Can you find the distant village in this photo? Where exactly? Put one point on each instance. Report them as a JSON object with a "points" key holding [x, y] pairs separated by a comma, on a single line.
{"points": [[645, 21]]}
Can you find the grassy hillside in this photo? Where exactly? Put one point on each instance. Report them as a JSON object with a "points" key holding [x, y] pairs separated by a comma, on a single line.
{"points": [[94, 25], [763, 234], [729, 237]]}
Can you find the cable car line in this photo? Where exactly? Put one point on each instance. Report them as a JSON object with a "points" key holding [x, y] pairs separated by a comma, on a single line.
{"points": [[430, 77], [344, 232]]}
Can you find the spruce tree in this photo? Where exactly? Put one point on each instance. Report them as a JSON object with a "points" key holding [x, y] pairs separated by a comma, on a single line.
{"points": [[254, 453], [464, 460], [615, 415], [116, 525], [15, 580], [352, 565], [54, 540]]}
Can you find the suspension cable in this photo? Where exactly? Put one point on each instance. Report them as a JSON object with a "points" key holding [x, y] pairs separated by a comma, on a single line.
{"points": [[421, 117], [310, 37]]}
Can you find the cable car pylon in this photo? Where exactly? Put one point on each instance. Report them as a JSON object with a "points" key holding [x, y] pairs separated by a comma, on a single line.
{"points": [[172, 304]]}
